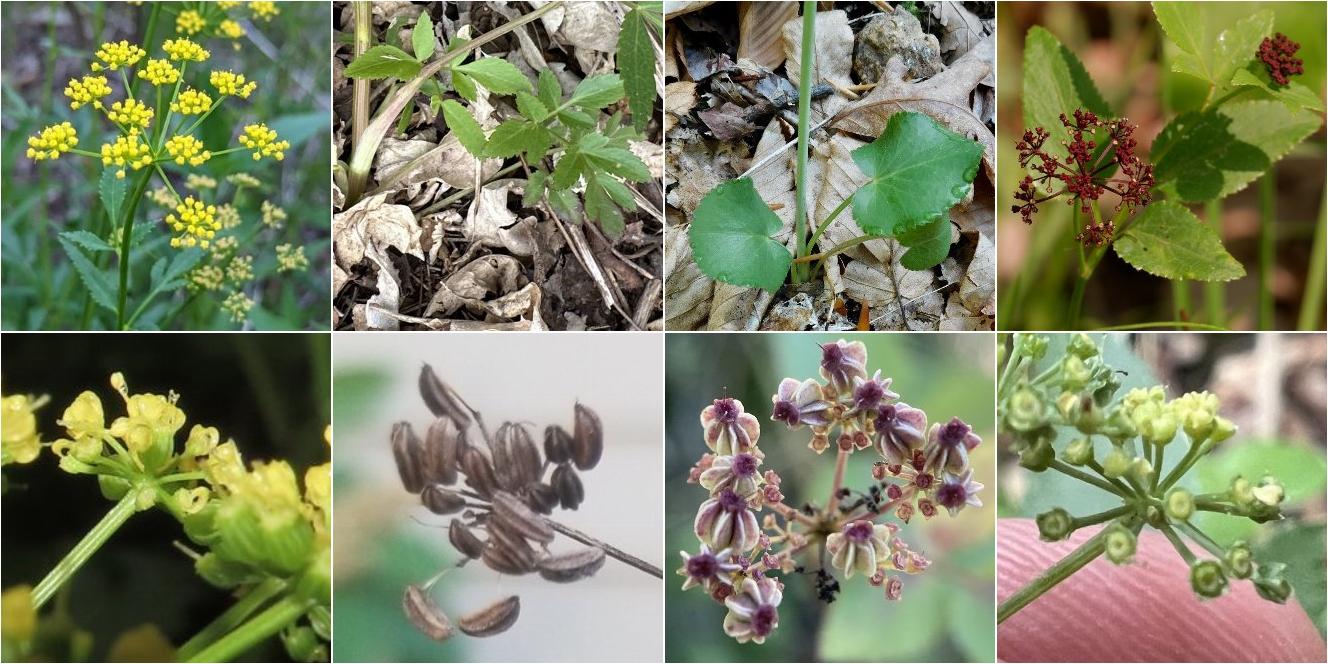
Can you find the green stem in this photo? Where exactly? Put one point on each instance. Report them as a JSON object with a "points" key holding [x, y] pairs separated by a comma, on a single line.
{"points": [[808, 55], [1097, 468], [1067, 469], [126, 236], [1311, 304], [65, 569], [828, 220], [1176, 542], [1183, 324], [1062, 570], [1158, 455], [1101, 517], [1086, 268], [838, 249], [257, 629], [1201, 539], [1215, 291], [1191, 456], [1267, 246], [232, 617]]}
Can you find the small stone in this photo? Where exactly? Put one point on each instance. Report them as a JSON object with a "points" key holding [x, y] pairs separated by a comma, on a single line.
{"points": [[896, 33]]}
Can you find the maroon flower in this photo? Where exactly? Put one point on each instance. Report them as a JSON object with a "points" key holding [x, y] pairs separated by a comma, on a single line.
{"points": [[870, 393], [707, 568], [948, 446], [729, 430], [1278, 56], [725, 521], [899, 431], [958, 491]]}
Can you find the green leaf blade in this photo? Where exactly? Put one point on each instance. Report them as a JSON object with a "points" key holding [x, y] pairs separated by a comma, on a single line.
{"points": [[383, 61], [464, 126], [96, 281], [516, 136], [636, 61], [1167, 240], [928, 244], [496, 74], [1055, 82], [596, 92], [421, 38], [731, 238], [112, 191]]}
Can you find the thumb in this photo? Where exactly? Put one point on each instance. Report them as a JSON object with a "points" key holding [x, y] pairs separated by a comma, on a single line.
{"points": [[1144, 611]]}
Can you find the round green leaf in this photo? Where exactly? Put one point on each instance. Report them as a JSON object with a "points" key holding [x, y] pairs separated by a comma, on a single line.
{"points": [[731, 237], [1169, 241]]}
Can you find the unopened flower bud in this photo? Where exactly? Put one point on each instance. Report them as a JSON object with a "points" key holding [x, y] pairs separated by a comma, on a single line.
{"points": [[1065, 405], [1055, 525], [1179, 504], [1240, 561], [1161, 429], [1241, 491], [1270, 583], [1222, 429], [1082, 346], [1198, 425], [1031, 345], [1037, 454], [1269, 492], [1207, 579], [1025, 410], [1079, 452], [1141, 470], [1074, 374], [1120, 543], [1117, 462]]}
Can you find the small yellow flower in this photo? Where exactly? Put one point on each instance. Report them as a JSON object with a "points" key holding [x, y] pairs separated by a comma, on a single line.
{"points": [[264, 9], [318, 486], [240, 270], [131, 113], [195, 225], [189, 22], [237, 304], [192, 501], [224, 467], [230, 83], [182, 49], [163, 197], [187, 149], [228, 4], [191, 102], [206, 277], [198, 181], [273, 215], [290, 257], [150, 420], [224, 247], [88, 90], [231, 29], [159, 72], [115, 55], [18, 428], [228, 216], [52, 141], [126, 151], [243, 180], [263, 142], [20, 623]]}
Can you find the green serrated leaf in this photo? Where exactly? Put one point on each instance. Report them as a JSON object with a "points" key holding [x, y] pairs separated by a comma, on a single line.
{"points": [[576, 119], [1293, 94], [565, 203], [464, 126], [568, 170], [534, 189], [927, 244], [516, 136], [601, 208], [463, 86], [1210, 50], [550, 90], [1215, 153], [607, 156], [531, 107], [619, 192], [112, 190], [97, 282], [918, 170], [87, 240], [731, 237], [596, 92], [496, 74], [383, 61], [421, 37], [1167, 240], [1055, 82], [636, 61]]}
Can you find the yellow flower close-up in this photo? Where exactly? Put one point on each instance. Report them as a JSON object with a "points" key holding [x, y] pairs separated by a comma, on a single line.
{"points": [[194, 223], [52, 142], [263, 142], [114, 55], [87, 90]]}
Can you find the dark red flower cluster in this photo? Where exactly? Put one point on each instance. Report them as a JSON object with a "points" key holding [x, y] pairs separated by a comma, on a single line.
{"points": [[1081, 173], [1278, 55]]}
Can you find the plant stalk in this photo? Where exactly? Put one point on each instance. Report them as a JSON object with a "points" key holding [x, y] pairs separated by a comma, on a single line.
{"points": [[257, 629], [360, 91], [232, 617], [1062, 570], [91, 542], [801, 221], [1267, 246], [609, 550], [1311, 303], [126, 238]]}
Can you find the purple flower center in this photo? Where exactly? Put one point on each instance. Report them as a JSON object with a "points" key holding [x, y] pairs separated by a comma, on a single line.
{"points": [[868, 395], [923, 481], [953, 433], [764, 619], [726, 410], [885, 417], [744, 465], [858, 532], [730, 501], [702, 565], [952, 495], [831, 356], [786, 412]]}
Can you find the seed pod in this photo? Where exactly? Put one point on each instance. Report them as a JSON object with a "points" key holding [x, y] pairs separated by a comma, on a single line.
{"points": [[587, 439], [557, 444], [442, 400], [509, 510], [493, 619], [516, 460], [541, 497], [425, 615], [505, 560], [568, 486], [407, 450], [512, 542], [463, 540], [442, 445], [573, 566], [441, 500], [479, 472]]}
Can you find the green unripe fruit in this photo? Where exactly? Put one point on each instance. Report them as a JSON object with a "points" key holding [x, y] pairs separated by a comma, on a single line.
{"points": [[1222, 429], [1031, 345], [1074, 375], [1079, 452], [1120, 543], [1180, 504], [1270, 583], [1207, 579], [1025, 411], [1038, 454], [1081, 346], [1240, 561], [1055, 525], [1117, 463], [1241, 491], [1141, 470]]}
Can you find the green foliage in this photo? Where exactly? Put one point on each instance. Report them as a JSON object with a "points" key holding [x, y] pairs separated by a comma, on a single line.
{"points": [[464, 126], [1169, 241], [927, 244], [496, 74], [731, 237], [636, 59], [98, 282], [383, 61], [1208, 50], [1055, 82], [421, 38]]}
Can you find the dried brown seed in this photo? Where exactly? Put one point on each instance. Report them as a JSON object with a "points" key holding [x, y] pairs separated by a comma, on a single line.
{"points": [[510, 510], [557, 444], [541, 497], [479, 472], [506, 536], [463, 540], [442, 446], [425, 615], [407, 451], [568, 486], [493, 619], [504, 559], [587, 439], [573, 566], [441, 500], [516, 460], [442, 400]]}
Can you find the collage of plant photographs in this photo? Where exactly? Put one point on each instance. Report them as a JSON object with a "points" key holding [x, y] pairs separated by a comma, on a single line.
{"points": [[870, 331]]}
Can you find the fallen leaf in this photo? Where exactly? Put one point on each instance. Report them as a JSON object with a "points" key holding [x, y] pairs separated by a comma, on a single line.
{"points": [[834, 56], [760, 25], [589, 24], [471, 286], [491, 223], [388, 298], [373, 220]]}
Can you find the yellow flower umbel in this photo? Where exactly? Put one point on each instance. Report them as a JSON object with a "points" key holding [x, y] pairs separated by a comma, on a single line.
{"points": [[53, 141], [189, 22], [87, 90], [198, 181], [206, 277], [159, 72], [149, 426], [230, 83], [191, 102], [194, 223], [243, 180], [290, 257], [263, 142], [237, 304], [182, 49], [273, 215], [131, 114], [187, 150], [231, 29], [240, 270], [116, 55], [128, 151], [264, 9], [228, 216], [19, 440]]}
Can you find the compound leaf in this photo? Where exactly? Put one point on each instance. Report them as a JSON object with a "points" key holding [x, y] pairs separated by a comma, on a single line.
{"points": [[531, 107], [97, 282], [463, 124], [384, 61], [596, 92], [1169, 241], [1208, 51], [606, 156], [731, 237], [550, 91], [87, 240], [516, 136]]}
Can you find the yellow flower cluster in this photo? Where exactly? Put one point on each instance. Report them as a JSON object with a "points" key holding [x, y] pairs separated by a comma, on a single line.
{"points": [[273, 215], [189, 22], [237, 304], [162, 196], [263, 142], [126, 151], [206, 277], [184, 49], [159, 72], [228, 216], [191, 102], [264, 9], [114, 55], [149, 424], [187, 149], [231, 29], [131, 113], [240, 270], [243, 180], [52, 141], [291, 257], [88, 90], [230, 83], [195, 225], [224, 246], [228, 4], [198, 181], [19, 439]]}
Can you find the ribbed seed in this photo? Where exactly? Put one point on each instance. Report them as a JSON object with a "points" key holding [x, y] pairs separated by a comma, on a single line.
{"points": [[493, 619], [516, 460], [573, 566], [557, 444], [441, 399], [479, 472], [541, 497], [425, 615], [442, 500], [587, 439], [510, 510], [504, 556], [406, 450], [442, 444], [463, 540], [568, 486]]}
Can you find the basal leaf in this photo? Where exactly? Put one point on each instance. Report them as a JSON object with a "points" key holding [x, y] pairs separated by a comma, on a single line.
{"points": [[927, 244], [1169, 241], [550, 91], [596, 92], [918, 170], [421, 37], [531, 107], [731, 237], [568, 170], [112, 190], [383, 61], [576, 119], [636, 61], [496, 74], [1211, 50], [464, 126], [87, 240], [1215, 153], [1055, 82], [96, 281], [619, 192]]}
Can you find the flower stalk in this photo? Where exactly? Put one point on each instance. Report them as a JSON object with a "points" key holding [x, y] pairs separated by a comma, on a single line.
{"points": [[64, 570]]}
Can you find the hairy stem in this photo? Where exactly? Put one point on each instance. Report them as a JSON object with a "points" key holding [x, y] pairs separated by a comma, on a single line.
{"points": [[91, 542], [1062, 570]]}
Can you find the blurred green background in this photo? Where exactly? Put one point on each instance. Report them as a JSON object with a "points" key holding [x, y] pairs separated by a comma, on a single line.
{"points": [[1122, 47], [46, 44], [1272, 387], [947, 613], [267, 391]]}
